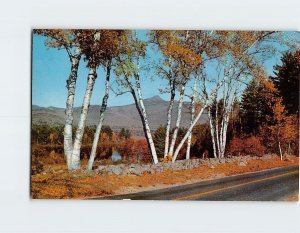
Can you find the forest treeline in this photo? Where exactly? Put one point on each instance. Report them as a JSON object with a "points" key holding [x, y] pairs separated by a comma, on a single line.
{"points": [[218, 71]]}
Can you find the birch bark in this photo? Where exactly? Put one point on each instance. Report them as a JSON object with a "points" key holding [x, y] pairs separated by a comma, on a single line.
{"points": [[217, 130], [212, 132], [75, 157], [188, 150], [101, 118], [258, 39], [179, 111], [71, 86], [280, 151], [169, 117], [145, 119], [220, 84]]}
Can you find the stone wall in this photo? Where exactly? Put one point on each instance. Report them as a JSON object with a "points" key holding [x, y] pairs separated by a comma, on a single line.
{"points": [[137, 169]]}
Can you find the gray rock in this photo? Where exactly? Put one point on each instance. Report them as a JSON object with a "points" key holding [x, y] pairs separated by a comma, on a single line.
{"points": [[137, 169], [222, 160], [242, 164]]}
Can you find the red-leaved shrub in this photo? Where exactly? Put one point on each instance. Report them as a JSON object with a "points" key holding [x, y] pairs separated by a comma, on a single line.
{"points": [[246, 146], [135, 150]]}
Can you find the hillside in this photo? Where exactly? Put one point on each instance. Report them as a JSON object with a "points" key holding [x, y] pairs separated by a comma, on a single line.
{"points": [[117, 117]]}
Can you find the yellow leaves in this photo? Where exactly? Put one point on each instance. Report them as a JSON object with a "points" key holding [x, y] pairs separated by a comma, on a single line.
{"points": [[269, 93], [175, 44], [282, 127], [98, 46], [167, 159], [52, 154], [53, 137], [54, 191], [56, 38], [290, 128], [179, 52], [104, 137], [268, 84], [278, 110]]}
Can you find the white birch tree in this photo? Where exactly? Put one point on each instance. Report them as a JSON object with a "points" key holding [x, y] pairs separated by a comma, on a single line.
{"points": [[75, 157], [219, 111], [180, 60], [66, 39], [192, 108], [128, 70], [111, 43], [97, 47], [242, 46], [101, 118]]}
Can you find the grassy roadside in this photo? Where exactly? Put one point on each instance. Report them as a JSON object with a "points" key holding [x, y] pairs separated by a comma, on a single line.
{"points": [[57, 183]]}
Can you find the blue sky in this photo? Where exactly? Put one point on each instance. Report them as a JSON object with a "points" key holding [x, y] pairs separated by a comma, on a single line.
{"points": [[51, 67]]}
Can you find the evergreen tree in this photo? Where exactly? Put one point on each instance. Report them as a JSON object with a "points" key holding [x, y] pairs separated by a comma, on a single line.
{"points": [[106, 129], [286, 80], [256, 104], [124, 134], [159, 140]]}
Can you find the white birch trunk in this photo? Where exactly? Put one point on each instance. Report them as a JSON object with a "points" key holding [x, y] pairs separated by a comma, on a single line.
{"points": [[221, 132], [188, 149], [224, 133], [217, 131], [136, 101], [75, 158], [71, 86], [280, 151], [212, 132], [101, 118], [220, 84], [169, 117], [179, 110], [145, 119]]}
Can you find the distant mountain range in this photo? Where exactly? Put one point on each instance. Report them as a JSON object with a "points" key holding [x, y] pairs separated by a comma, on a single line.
{"points": [[118, 117]]}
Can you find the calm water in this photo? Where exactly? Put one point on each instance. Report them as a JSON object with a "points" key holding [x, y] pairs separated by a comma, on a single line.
{"points": [[116, 156]]}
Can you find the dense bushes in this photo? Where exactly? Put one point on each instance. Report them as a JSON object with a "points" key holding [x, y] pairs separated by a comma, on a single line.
{"points": [[201, 141], [246, 146], [135, 151]]}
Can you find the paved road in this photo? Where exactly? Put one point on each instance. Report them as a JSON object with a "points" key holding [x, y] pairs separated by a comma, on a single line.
{"points": [[270, 185]]}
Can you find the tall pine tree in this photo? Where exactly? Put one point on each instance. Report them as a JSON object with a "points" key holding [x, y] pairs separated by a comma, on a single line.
{"points": [[256, 104], [159, 140], [286, 80]]}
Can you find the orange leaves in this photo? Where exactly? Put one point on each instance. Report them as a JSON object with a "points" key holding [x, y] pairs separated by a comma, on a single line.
{"points": [[246, 146], [167, 159], [281, 128], [74, 185], [104, 137], [186, 55], [278, 110], [56, 38], [175, 44], [269, 94], [268, 84], [98, 46], [53, 137], [290, 129], [135, 150]]}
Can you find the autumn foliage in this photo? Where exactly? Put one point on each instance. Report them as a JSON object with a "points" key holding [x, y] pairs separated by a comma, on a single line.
{"points": [[135, 150], [246, 146]]}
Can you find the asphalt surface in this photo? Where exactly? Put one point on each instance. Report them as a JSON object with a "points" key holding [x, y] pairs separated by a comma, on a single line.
{"points": [[268, 185]]}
